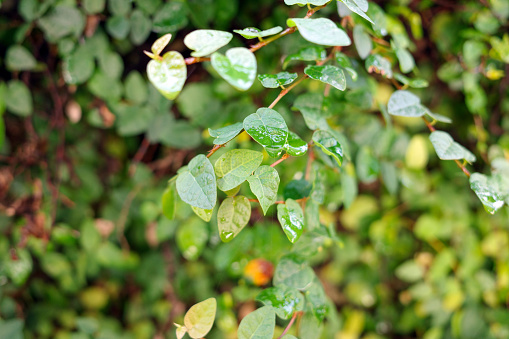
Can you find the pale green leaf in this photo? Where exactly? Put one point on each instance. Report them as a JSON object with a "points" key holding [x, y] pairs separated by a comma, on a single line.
{"points": [[259, 324], [321, 31], [378, 64], [253, 32], [329, 145], [487, 191], [160, 44], [268, 128], [18, 58], [200, 318], [197, 185], [439, 117], [169, 201], [237, 67], [313, 53], [362, 41], [291, 218], [233, 215], [191, 238], [225, 134], [206, 41], [264, 184], [204, 214], [405, 104], [277, 80], [168, 75], [293, 272], [358, 7], [406, 60], [328, 74], [235, 166], [448, 149]]}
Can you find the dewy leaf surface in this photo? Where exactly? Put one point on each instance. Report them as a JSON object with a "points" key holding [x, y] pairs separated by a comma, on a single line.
{"points": [[448, 149], [328, 74], [206, 41], [312, 53], [259, 324], [225, 134], [268, 128], [253, 32], [293, 272], [237, 67], [358, 7], [232, 216], [169, 74], [200, 318], [405, 104], [295, 146], [487, 191], [329, 145], [264, 184], [291, 218], [197, 185], [277, 80], [321, 31], [285, 300], [204, 214], [235, 166]]}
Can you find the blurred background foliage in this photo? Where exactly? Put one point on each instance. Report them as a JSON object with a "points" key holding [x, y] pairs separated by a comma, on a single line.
{"points": [[404, 250]]}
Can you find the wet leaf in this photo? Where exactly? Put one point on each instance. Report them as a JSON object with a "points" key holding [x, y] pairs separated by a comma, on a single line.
{"points": [[233, 215], [406, 104], [206, 41], [205, 215], [328, 74], [295, 146], [448, 149], [252, 32], [268, 128], [487, 191], [264, 184], [313, 53], [378, 64], [235, 166], [277, 80], [329, 145], [197, 185], [168, 75], [285, 300], [225, 134], [237, 67], [358, 7], [320, 31], [291, 218]]}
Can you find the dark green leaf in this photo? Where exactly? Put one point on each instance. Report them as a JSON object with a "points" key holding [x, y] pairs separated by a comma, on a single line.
{"points": [[63, 20], [313, 53], [18, 99], [18, 58], [140, 27], [328, 74], [268, 128], [297, 189], [170, 17], [118, 27], [286, 301], [329, 145], [295, 146], [291, 218]]}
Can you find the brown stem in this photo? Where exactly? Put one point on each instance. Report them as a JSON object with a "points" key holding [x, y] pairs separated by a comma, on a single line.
{"points": [[294, 316], [285, 156], [139, 155], [214, 150], [286, 90], [194, 60]]}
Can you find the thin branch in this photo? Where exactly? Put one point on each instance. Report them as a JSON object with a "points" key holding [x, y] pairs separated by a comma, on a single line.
{"points": [[214, 150], [286, 90], [294, 316], [139, 155], [285, 156]]}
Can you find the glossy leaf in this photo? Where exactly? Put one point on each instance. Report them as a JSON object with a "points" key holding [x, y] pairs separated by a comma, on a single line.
{"points": [[291, 218], [197, 185], [268, 128], [206, 41], [285, 300], [252, 32], [200, 318], [205, 215], [378, 64], [328, 74], [233, 215], [235, 166], [317, 299], [259, 324], [295, 146], [277, 80], [358, 7], [313, 53], [329, 145], [487, 191], [448, 149], [406, 104], [237, 67], [320, 31], [293, 272], [264, 184], [362, 41], [168, 75], [169, 201], [225, 134], [160, 44]]}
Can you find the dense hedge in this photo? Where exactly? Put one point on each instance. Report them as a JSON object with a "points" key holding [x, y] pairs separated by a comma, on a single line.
{"points": [[389, 242]]}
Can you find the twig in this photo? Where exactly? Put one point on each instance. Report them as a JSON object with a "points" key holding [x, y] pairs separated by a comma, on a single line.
{"points": [[286, 90], [139, 155], [294, 316], [214, 150], [122, 219], [285, 156]]}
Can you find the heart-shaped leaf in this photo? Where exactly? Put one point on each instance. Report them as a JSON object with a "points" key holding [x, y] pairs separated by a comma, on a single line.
{"points": [[285, 300], [200, 318], [253, 32], [487, 191], [235, 166], [295, 146], [206, 41], [321, 31], [328, 74], [291, 218], [268, 128], [329, 145], [169, 74], [264, 183], [405, 104], [359, 7], [378, 64], [277, 80], [259, 324], [448, 149], [225, 134], [232, 216], [313, 53], [237, 67], [160, 44], [197, 185]]}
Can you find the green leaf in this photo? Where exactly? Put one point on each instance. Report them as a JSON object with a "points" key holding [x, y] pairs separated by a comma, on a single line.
{"points": [[295, 146], [358, 7], [328, 74], [264, 184], [362, 41], [285, 300], [291, 218], [94, 6], [297, 189], [277, 80], [18, 99], [119, 7], [111, 64], [406, 60], [18, 269], [268, 128], [168, 75], [148, 6], [200, 318], [313, 53], [259, 324], [235, 166], [136, 89], [141, 26], [171, 17], [169, 201], [197, 185], [62, 21], [414, 83], [118, 27], [439, 117], [253, 32], [160, 44], [410, 271], [317, 299], [305, 2], [78, 67], [320, 31], [487, 191], [191, 237], [406, 104], [345, 62], [293, 272], [206, 41], [104, 87], [237, 67], [378, 64], [448, 149], [225, 134], [310, 105], [18, 58], [368, 166], [12, 329], [233, 215], [205, 215], [329, 145]]}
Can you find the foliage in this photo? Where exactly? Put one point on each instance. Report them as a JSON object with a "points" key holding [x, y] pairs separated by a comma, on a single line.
{"points": [[336, 215]]}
